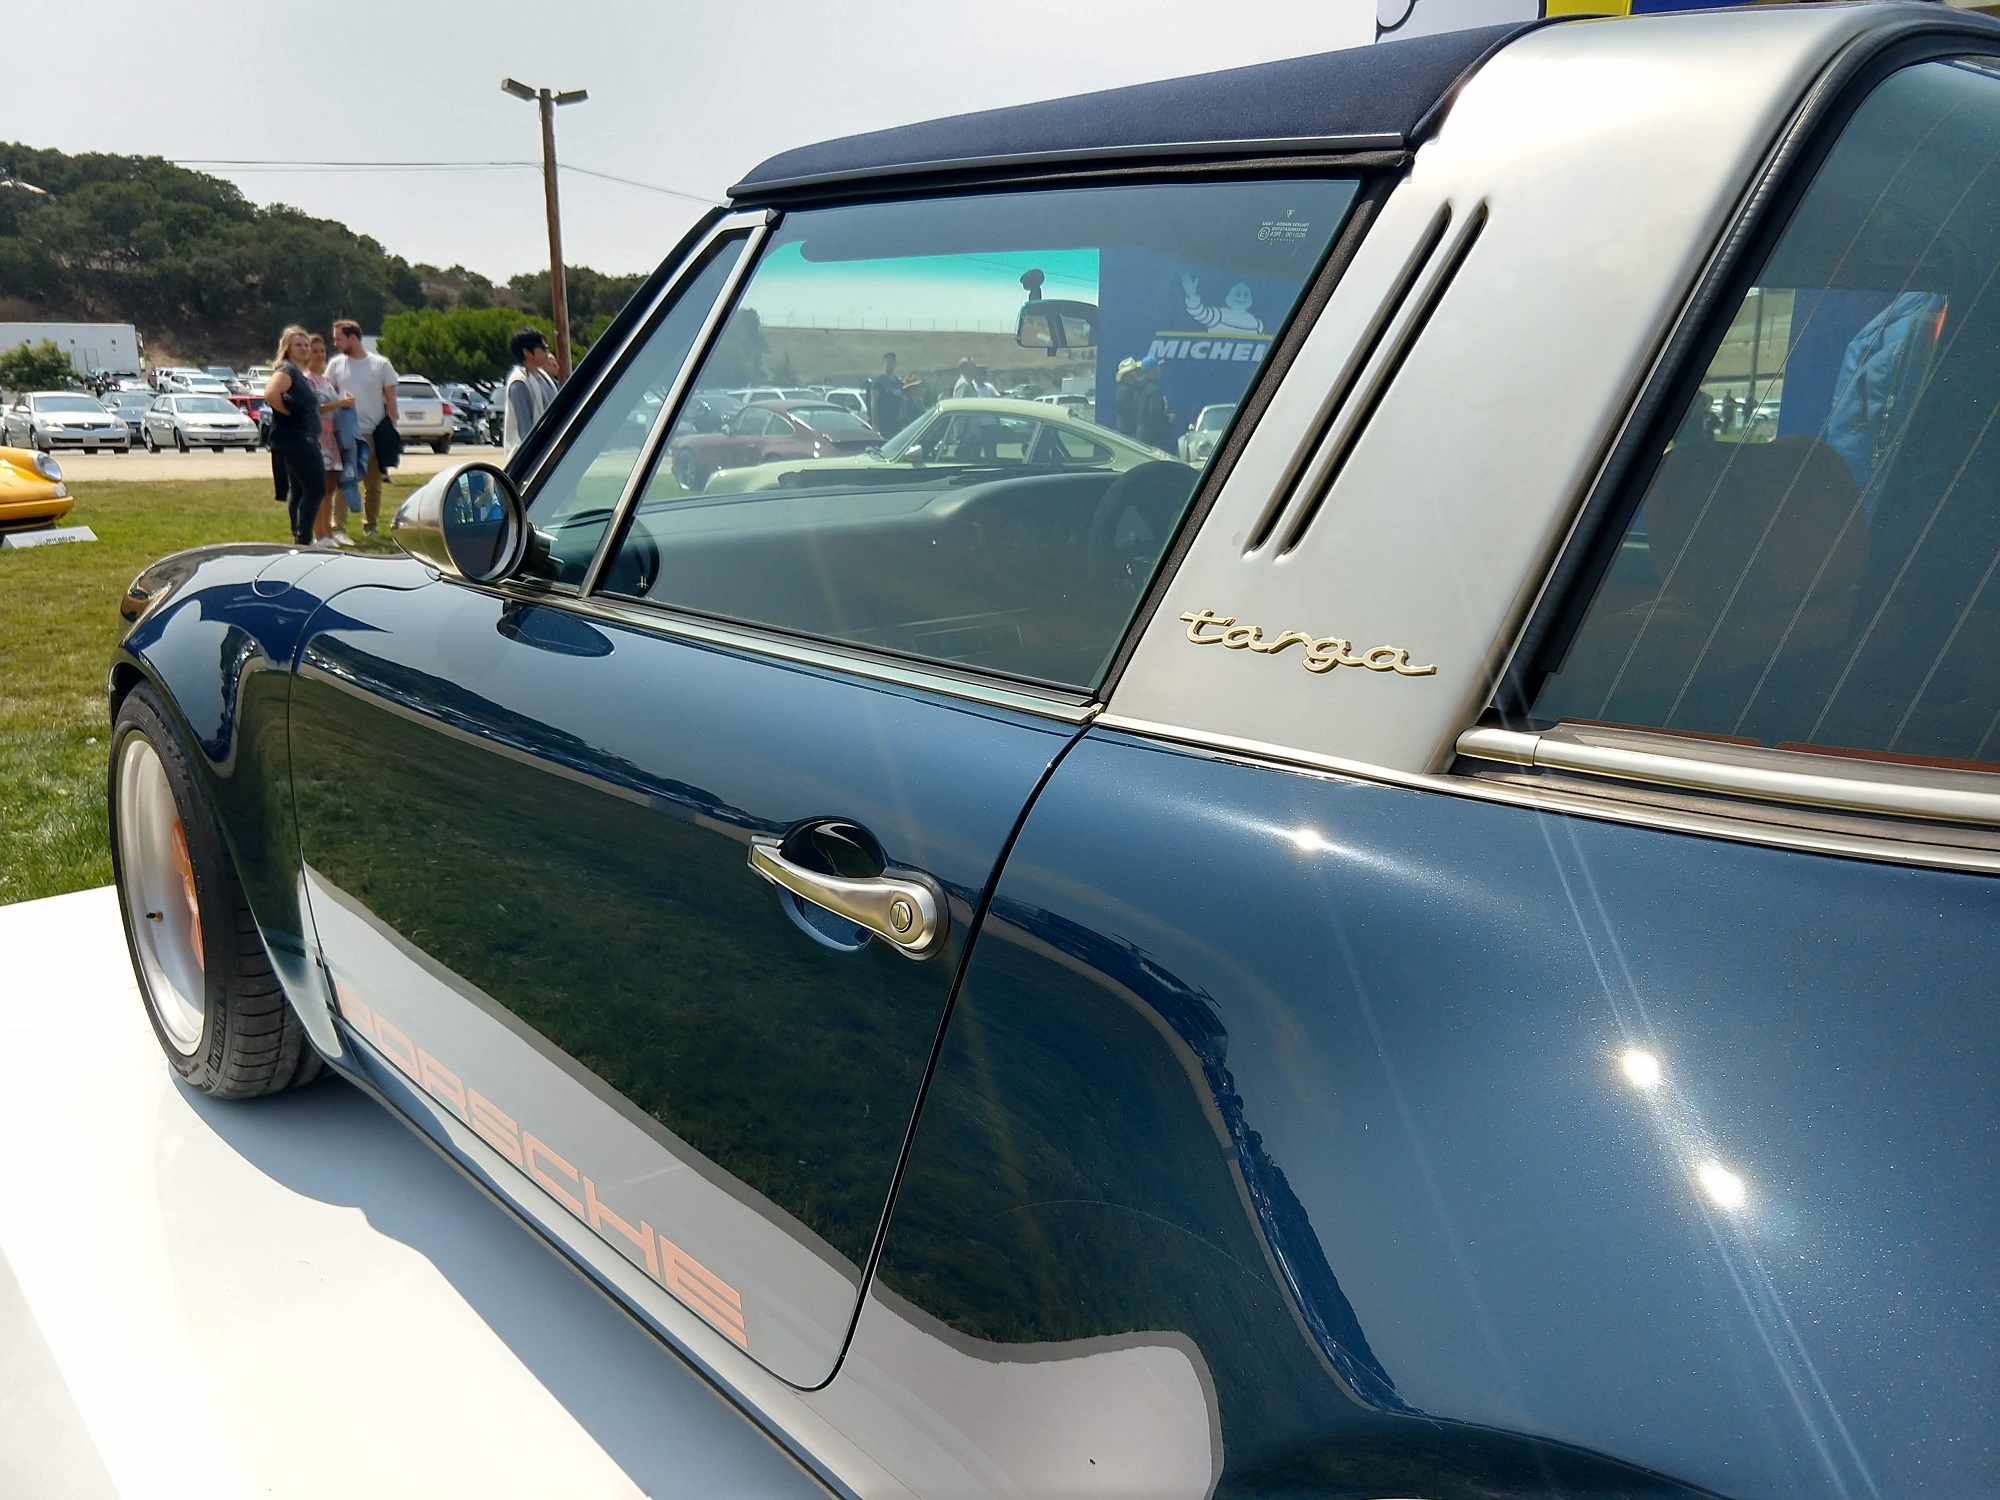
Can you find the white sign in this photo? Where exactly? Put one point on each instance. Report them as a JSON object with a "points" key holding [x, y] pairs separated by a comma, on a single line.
{"points": [[14, 541]]}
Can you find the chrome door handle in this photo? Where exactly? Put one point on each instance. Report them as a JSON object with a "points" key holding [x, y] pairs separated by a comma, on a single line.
{"points": [[902, 907]]}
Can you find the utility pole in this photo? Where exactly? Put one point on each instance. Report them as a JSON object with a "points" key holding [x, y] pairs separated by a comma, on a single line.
{"points": [[558, 292]]}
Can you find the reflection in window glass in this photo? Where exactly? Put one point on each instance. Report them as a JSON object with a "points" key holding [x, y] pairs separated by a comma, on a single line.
{"points": [[951, 428], [1813, 566], [570, 506]]}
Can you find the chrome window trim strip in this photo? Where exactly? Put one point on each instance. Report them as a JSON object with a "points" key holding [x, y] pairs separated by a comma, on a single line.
{"points": [[1792, 776], [1051, 703], [656, 436], [1880, 850], [738, 222]]}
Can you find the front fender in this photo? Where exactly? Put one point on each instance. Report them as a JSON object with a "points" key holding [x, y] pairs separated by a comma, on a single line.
{"points": [[217, 635]]}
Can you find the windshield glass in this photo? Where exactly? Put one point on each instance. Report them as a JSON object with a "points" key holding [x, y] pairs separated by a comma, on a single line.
{"points": [[1215, 418], [68, 403], [204, 405], [834, 421]]}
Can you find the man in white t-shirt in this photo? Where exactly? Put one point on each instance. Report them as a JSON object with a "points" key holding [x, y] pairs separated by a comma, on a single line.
{"points": [[371, 381]]}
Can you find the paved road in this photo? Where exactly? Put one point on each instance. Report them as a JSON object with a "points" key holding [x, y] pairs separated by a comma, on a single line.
{"points": [[95, 468]]}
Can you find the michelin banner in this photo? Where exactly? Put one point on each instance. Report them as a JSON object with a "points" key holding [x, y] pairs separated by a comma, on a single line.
{"points": [[1208, 328]]}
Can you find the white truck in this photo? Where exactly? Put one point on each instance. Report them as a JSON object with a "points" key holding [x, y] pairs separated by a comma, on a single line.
{"points": [[92, 347]]}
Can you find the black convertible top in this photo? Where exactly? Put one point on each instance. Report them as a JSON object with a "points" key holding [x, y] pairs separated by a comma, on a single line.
{"points": [[1361, 99]]}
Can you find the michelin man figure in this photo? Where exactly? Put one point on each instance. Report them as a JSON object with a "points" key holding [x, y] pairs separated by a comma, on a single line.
{"points": [[1234, 316]]}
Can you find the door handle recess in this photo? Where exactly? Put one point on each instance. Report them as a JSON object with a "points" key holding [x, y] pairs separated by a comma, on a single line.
{"points": [[902, 907]]}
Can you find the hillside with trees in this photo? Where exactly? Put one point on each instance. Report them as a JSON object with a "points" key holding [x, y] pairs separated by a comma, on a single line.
{"points": [[205, 274]]}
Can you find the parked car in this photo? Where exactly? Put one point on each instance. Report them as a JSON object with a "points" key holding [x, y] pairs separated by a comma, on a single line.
{"points": [[750, 395], [47, 420], [468, 411], [129, 407], [1076, 404], [32, 494], [967, 433], [1445, 951], [1197, 444], [848, 396], [251, 403], [224, 373], [193, 383], [422, 415], [766, 432], [185, 422]]}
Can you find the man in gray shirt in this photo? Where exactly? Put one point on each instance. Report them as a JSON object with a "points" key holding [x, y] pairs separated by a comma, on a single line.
{"points": [[531, 386], [371, 381]]}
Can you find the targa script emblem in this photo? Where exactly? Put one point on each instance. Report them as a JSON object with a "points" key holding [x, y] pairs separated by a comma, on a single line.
{"points": [[1323, 653]]}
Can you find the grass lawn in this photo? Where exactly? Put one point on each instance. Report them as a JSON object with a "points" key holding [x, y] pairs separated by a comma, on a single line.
{"points": [[58, 622]]}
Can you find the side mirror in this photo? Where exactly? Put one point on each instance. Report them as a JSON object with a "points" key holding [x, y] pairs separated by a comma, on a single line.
{"points": [[467, 523], [914, 454], [1054, 324]]}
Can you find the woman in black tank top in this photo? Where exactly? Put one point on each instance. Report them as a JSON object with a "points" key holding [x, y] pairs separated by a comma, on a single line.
{"points": [[295, 432]]}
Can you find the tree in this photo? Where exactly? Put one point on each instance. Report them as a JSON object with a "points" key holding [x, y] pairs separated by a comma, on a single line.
{"points": [[591, 294], [738, 358], [35, 367], [462, 343]]}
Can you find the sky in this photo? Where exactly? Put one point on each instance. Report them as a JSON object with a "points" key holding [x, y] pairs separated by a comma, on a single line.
{"points": [[686, 96]]}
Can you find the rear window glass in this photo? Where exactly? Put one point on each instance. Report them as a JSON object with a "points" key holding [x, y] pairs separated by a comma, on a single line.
{"points": [[415, 388], [1816, 563]]}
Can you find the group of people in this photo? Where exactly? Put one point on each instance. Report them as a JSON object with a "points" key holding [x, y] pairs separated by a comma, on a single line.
{"points": [[1142, 406], [333, 432], [333, 425]]}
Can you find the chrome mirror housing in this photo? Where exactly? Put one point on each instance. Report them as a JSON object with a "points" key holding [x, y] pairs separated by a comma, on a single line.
{"points": [[468, 523]]}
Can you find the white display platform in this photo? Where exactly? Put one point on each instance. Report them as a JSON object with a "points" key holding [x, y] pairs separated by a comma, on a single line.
{"points": [[291, 1297]]}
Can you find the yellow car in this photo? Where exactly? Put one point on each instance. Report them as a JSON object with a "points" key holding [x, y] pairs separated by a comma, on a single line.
{"points": [[31, 490], [974, 432]]}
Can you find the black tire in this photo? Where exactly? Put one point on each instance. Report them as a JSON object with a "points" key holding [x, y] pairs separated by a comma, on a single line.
{"points": [[180, 440], [91, 451], [441, 445], [218, 447], [251, 1042], [690, 473], [146, 438], [41, 443]]}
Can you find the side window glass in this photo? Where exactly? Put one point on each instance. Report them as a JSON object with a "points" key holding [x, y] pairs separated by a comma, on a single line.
{"points": [[575, 499], [945, 527], [1816, 563]]}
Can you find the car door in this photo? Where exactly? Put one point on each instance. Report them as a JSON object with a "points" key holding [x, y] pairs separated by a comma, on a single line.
{"points": [[552, 940], [644, 878]]}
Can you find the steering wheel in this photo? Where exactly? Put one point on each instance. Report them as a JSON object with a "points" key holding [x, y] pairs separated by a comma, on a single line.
{"points": [[1132, 525]]}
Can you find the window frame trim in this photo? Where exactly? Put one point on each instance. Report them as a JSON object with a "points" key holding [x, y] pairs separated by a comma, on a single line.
{"points": [[543, 462], [1504, 735]]}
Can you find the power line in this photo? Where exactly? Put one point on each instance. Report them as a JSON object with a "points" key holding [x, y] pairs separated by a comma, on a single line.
{"points": [[256, 164]]}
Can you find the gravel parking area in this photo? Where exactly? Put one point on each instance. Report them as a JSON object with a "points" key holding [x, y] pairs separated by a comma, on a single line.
{"points": [[96, 468]]}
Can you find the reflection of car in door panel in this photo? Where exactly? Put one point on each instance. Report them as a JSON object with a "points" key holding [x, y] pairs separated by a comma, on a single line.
{"points": [[1437, 944]]}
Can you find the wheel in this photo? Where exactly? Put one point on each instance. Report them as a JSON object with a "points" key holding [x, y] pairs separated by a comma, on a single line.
{"points": [[90, 451], [441, 445], [689, 471], [180, 440], [218, 447], [147, 438], [204, 976], [41, 443]]}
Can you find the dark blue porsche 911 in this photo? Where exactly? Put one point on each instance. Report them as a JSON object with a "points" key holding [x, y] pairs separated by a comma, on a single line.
{"points": [[1446, 950]]}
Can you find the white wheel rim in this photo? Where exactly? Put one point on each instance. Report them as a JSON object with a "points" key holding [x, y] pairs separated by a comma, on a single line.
{"points": [[160, 904]]}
